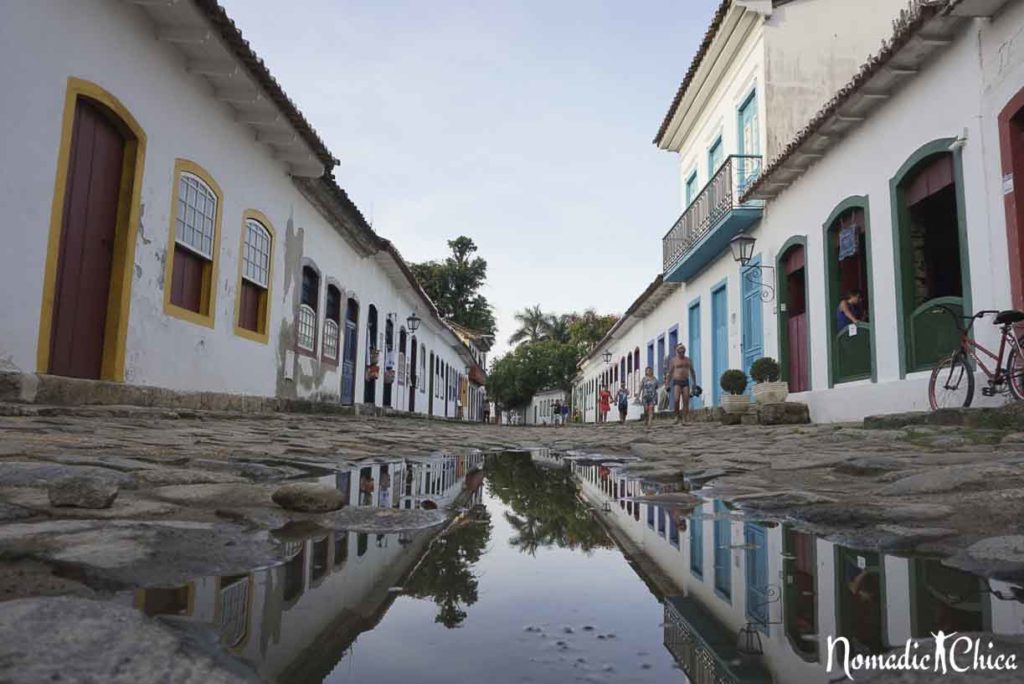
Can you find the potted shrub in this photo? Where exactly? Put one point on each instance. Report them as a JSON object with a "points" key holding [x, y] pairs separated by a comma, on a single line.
{"points": [[768, 389], [734, 382]]}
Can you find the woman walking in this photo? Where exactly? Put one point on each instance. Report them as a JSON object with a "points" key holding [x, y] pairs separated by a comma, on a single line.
{"points": [[604, 404], [649, 394]]}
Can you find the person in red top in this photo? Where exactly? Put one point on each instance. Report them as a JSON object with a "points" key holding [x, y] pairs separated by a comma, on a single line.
{"points": [[604, 404]]}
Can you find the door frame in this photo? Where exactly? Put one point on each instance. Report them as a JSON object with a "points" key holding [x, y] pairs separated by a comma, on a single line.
{"points": [[782, 316], [863, 203], [128, 212], [751, 291], [716, 386], [899, 221], [1014, 209], [696, 357]]}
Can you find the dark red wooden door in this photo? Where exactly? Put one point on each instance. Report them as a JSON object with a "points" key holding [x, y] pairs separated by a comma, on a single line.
{"points": [[796, 319], [798, 361], [86, 244]]}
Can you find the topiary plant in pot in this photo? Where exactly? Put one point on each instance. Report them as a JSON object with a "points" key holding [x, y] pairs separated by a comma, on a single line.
{"points": [[734, 382], [768, 390]]}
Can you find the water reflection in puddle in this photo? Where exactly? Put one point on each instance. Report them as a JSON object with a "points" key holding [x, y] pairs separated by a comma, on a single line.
{"points": [[526, 585]]}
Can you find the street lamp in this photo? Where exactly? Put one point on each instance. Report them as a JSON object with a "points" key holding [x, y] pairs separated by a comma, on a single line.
{"points": [[413, 322], [742, 248], [607, 357]]}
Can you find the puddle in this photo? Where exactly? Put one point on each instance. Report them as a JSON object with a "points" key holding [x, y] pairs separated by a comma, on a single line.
{"points": [[566, 569]]}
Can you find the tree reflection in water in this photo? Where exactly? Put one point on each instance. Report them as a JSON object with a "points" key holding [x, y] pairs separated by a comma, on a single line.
{"points": [[545, 510], [446, 574]]}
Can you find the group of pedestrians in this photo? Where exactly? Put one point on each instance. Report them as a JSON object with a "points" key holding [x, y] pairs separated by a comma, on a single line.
{"points": [[559, 413], [680, 379]]}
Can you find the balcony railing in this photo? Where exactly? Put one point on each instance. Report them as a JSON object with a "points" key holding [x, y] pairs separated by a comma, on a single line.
{"points": [[719, 197]]}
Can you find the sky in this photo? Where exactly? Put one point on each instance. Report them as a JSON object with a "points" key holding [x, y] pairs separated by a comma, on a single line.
{"points": [[524, 124]]}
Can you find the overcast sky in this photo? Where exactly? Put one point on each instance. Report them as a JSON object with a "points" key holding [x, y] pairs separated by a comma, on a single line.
{"points": [[524, 124]]}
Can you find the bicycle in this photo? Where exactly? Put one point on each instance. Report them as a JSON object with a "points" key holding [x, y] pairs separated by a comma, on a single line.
{"points": [[952, 381]]}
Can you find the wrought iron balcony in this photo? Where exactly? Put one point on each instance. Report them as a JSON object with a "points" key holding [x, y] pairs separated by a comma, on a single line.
{"points": [[715, 216]]}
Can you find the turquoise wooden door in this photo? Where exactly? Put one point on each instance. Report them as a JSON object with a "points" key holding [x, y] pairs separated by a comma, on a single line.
{"points": [[752, 342], [755, 539], [714, 158], [694, 348], [719, 340], [691, 188], [723, 550]]}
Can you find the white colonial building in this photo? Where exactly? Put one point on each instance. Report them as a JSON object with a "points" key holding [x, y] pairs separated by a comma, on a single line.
{"points": [[541, 410], [864, 146], [172, 221]]}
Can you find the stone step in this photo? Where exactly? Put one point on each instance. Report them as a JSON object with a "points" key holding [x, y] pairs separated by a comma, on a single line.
{"points": [[1008, 417]]}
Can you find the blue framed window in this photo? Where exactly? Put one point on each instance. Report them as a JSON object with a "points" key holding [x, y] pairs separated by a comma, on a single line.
{"points": [[691, 188], [715, 156]]}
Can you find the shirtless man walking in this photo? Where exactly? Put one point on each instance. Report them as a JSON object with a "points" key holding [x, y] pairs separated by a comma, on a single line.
{"points": [[680, 373]]}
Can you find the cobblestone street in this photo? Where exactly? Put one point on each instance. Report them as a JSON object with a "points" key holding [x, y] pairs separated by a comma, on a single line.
{"points": [[957, 492]]}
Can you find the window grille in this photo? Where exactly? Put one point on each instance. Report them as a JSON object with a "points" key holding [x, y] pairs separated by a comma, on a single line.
{"points": [[331, 339], [197, 210], [307, 328], [256, 254]]}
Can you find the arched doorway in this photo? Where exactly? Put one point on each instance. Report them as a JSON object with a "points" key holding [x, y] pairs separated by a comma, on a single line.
{"points": [[932, 278], [793, 340], [372, 357], [87, 283], [389, 360], [413, 375], [348, 359], [847, 270]]}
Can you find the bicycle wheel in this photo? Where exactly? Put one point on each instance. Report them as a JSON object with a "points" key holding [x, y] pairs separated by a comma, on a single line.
{"points": [[1015, 372], [952, 383]]}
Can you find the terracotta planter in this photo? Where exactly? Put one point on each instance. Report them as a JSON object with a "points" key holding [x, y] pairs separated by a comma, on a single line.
{"points": [[771, 392], [735, 403]]}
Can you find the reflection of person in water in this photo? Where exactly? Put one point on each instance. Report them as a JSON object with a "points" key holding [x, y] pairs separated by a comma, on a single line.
{"points": [[865, 609], [365, 489], [385, 490]]}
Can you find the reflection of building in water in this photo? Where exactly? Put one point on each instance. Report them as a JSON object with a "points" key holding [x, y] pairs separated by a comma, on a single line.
{"points": [[423, 482], [294, 621], [792, 589]]}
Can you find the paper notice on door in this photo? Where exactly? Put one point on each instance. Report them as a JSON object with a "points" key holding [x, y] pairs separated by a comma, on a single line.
{"points": [[862, 562], [1008, 184], [851, 330]]}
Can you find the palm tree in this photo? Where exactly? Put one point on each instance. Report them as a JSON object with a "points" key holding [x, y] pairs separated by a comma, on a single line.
{"points": [[557, 328], [532, 322]]}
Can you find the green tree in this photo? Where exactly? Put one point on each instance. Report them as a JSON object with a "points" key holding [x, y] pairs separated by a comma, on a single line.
{"points": [[454, 286], [588, 328], [545, 508], [445, 575], [559, 328]]}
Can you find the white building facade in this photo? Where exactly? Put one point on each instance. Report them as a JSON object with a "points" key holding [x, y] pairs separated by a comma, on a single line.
{"points": [[173, 223], [541, 410], [887, 155]]}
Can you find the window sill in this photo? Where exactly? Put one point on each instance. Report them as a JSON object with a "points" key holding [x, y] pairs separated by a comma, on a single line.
{"points": [[328, 361], [188, 315], [301, 351], [252, 335]]}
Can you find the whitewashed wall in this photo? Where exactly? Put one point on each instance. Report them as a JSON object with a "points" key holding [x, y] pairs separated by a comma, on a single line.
{"points": [[539, 412], [113, 44], [862, 164]]}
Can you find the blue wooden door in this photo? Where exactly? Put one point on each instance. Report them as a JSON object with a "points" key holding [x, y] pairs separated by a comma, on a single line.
{"points": [[719, 340], [650, 357], [694, 349], [753, 330], [755, 539], [660, 370], [673, 341], [723, 550], [348, 364]]}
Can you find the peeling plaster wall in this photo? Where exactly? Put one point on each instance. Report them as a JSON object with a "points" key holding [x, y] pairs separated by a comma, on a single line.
{"points": [[812, 49], [113, 44]]}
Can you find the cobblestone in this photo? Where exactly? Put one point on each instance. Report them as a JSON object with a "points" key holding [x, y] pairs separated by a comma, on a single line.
{"points": [[214, 467]]}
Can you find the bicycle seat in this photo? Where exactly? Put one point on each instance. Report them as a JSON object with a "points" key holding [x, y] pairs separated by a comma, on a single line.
{"points": [[1009, 316]]}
